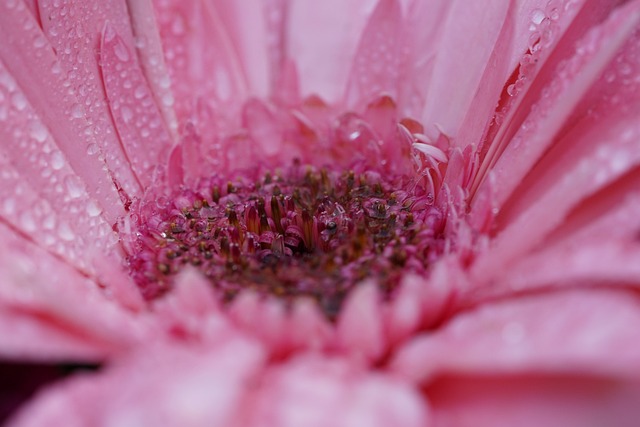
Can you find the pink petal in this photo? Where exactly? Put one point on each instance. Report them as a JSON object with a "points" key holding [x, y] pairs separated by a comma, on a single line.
{"points": [[588, 158], [375, 70], [328, 29], [421, 31], [595, 246], [315, 391], [51, 312], [308, 328], [202, 61], [140, 125], [573, 333], [80, 67], [459, 65], [42, 196], [261, 318], [555, 90], [498, 68], [248, 30], [190, 311], [609, 215], [60, 112], [573, 265], [359, 328], [533, 401], [161, 385], [151, 58], [404, 310]]}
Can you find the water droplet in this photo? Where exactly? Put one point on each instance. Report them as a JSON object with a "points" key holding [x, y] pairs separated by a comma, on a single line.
{"points": [[121, 51], [139, 92], [93, 210], [167, 100], [77, 111], [92, 149], [19, 101], [537, 16], [65, 232], [140, 42], [9, 206], [57, 160], [127, 114], [49, 222], [38, 131], [56, 68], [74, 186], [39, 42], [27, 221], [178, 25], [165, 82]]}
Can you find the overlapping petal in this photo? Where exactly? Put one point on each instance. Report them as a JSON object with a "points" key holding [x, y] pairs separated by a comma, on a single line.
{"points": [[526, 140]]}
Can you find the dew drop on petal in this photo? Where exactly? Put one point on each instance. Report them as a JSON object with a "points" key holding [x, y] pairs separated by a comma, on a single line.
{"points": [[93, 149], [93, 209], [537, 16], [65, 232], [57, 160], [38, 131], [19, 101], [77, 111], [74, 186]]}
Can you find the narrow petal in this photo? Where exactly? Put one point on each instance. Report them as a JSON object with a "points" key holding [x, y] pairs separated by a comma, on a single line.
{"points": [[359, 329], [420, 35], [329, 29], [247, 27], [609, 263], [50, 312], [43, 196], [572, 332], [150, 54], [532, 401], [79, 66], [139, 123], [459, 65], [207, 389], [60, 111], [555, 90], [202, 61], [497, 70], [595, 156], [314, 391], [376, 63]]}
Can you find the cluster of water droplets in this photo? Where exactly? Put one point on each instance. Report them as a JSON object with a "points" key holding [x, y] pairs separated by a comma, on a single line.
{"points": [[42, 204], [544, 31]]}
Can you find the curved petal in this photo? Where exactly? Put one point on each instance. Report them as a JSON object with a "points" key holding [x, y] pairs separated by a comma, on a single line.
{"points": [[591, 333], [74, 44], [207, 390], [316, 391], [50, 312], [139, 123], [39, 78]]}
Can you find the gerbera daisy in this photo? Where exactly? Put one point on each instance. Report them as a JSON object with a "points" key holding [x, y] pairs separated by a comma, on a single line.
{"points": [[344, 213]]}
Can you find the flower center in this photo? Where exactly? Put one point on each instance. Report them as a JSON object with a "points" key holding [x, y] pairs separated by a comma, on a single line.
{"points": [[298, 232]]}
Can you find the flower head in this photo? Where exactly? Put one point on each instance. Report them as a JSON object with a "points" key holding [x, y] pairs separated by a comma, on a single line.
{"points": [[334, 213]]}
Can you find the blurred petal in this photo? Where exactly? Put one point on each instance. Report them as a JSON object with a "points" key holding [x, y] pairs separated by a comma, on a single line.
{"points": [[573, 332], [207, 390]]}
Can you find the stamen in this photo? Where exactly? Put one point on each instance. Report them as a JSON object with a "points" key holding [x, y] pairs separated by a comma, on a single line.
{"points": [[316, 233]]}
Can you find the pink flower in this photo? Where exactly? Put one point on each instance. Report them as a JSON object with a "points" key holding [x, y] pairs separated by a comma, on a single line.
{"points": [[280, 213]]}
